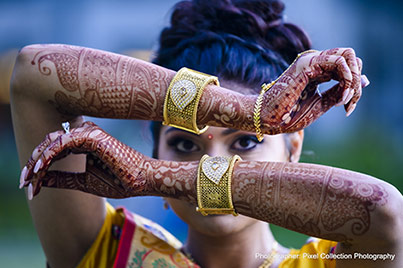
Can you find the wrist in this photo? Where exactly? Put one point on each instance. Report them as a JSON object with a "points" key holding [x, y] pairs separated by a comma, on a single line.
{"points": [[223, 107], [172, 179]]}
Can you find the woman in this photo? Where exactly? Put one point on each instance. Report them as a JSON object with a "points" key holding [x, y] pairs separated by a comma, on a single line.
{"points": [[245, 43]]}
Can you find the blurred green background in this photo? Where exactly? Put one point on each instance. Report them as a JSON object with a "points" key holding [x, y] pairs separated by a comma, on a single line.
{"points": [[369, 141]]}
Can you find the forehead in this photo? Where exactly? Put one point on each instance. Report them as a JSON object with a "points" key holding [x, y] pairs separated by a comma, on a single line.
{"points": [[215, 131]]}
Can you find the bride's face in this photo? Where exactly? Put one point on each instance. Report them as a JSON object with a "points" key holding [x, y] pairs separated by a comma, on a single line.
{"points": [[179, 145]]}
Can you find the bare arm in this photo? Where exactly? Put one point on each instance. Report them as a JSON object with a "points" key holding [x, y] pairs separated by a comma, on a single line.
{"points": [[67, 222]]}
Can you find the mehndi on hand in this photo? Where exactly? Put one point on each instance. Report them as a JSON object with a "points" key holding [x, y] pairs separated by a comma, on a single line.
{"points": [[113, 169], [293, 102]]}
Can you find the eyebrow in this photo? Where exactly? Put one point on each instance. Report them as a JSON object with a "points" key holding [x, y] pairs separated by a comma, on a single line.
{"points": [[170, 129], [229, 131], [226, 132]]}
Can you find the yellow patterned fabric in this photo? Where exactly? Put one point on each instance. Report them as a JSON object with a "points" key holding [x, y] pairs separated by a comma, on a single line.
{"points": [[103, 251], [150, 245], [311, 255]]}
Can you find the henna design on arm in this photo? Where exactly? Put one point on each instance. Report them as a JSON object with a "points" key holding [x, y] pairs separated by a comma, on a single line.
{"points": [[293, 102], [103, 84], [113, 169], [110, 163], [316, 200], [173, 179]]}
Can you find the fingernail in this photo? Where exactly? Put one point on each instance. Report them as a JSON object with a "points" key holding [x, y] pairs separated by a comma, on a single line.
{"points": [[364, 80], [351, 109], [23, 177], [30, 192], [38, 165], [345, 95]]}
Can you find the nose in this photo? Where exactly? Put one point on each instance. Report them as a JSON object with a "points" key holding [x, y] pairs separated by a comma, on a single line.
{"points": [[217, 150]]}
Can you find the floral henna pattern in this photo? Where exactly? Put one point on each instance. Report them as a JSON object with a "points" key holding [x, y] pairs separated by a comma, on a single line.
{"points": [[316, 200], [173, 179], [98, 179], [294, 101], [359, 195], [113, 169], [111, 165], [104, 84], [224, 108]]}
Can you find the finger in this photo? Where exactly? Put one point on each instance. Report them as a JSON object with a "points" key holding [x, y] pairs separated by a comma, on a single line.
{"points": [[64, 180], [58, 179], [359, 63], [101, 185], [56, 150], [350, 107], [89, 124], [351, 94], [338, 65], [355, 66], [60, 147], [27, 171], [331, 97], [351, 59]]}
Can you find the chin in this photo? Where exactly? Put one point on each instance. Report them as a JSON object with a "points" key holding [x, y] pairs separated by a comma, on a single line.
{"points": [[211, 225]]}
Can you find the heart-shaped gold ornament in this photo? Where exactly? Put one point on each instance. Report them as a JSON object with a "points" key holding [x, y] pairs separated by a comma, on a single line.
{"points": [[182, 93], [215, 167]]}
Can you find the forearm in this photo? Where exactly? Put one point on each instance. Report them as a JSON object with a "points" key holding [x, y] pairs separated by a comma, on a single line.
{"points": [[172, 179], [84, 81], [222, 107], [316, 200]]}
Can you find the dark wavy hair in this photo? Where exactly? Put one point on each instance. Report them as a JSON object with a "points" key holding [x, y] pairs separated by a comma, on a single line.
{"points": [[244, 41]]}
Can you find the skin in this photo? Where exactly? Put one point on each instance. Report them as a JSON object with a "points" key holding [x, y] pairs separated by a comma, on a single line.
{"points": [[54, 95]]}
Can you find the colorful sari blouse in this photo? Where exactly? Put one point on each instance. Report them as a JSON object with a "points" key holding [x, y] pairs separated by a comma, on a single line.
{"points": [[127, 240]]}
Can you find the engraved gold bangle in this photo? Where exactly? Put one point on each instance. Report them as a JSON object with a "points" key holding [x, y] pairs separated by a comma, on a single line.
{"points": [[214, 177], [182, 99], [265, 87]]}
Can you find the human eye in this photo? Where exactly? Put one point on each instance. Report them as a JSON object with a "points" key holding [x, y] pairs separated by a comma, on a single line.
{"points": [[245, 143], [183, 145]]}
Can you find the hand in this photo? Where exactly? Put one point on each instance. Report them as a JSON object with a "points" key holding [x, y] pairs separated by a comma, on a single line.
{"points": [[294, 102], [113, 169]]}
